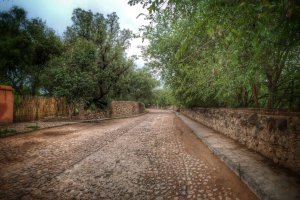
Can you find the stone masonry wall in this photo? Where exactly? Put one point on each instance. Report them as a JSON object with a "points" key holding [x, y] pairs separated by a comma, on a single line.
{"points": [[96, 115], [275, 135], [126, 108]]}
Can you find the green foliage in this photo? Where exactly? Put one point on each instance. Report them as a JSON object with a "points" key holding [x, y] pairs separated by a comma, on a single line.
{"points": [[163, 98], [136, 85], [74, 72], [6, 131], [34, 127], [226, 53], [94, 68], [88, 66], [26, 45]]}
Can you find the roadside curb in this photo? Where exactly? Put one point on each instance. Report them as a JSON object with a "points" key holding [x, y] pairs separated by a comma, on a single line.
{"points": [[246, 178], [255, 171]]}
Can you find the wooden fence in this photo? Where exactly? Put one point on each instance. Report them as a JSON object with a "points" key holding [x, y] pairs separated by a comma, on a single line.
{"points": [[30, 108]]}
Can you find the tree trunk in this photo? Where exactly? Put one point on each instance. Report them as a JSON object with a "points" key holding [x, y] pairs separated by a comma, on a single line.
{"points": [[291, 95], [271, 95], [32, 90], [81, 109], [255, 98], [71, 109]]}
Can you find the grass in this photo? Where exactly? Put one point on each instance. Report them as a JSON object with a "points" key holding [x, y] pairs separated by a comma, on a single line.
{"points": [[6, 131], [34, 127]]}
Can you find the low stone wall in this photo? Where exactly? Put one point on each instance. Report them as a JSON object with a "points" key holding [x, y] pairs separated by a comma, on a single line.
{"points": [[96, 115], [126, 108], [274, 134]]}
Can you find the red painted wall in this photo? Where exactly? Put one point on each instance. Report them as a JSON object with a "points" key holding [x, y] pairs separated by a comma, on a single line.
{"points": [[6, 104]]}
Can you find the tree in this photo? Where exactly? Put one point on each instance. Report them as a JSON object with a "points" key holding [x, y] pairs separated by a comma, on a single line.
{"points": [[73, 73], [26, 45], [163, 98], [136, 85], [226, 53], [15, 48], [94, 68], [111, 43]]}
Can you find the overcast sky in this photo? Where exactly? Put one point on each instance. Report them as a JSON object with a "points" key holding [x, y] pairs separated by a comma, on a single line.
{"points": [[57, 14]]}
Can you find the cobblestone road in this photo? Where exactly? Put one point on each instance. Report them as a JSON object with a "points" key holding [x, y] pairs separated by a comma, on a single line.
{"points": [[154, 156]]}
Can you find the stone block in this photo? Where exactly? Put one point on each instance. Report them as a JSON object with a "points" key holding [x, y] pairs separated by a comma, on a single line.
{"points": [[126, 108]]}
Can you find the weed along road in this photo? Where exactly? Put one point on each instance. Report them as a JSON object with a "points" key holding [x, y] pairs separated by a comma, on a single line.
{"points": [[153, 156]]}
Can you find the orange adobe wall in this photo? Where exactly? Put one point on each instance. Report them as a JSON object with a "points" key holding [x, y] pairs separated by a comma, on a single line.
{"points": [[6, 104]]}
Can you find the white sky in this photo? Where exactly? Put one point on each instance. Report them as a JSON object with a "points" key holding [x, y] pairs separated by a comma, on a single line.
{"points": [[57, 14]]}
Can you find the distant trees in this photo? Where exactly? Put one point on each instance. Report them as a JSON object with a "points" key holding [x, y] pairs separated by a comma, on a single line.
{"points": [[139, 85], [163, 98], [227, 53], [88, 66]]}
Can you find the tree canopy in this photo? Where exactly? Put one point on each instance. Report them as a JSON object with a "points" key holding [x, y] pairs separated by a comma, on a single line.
{"points": [[209, 53], [94, 59], [88, 65], [26, 45], [226, 53]]}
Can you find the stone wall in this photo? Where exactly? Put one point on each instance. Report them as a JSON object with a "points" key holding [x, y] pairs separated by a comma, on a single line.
{"points": [[274, 134], [96, 115], [126, 108]]}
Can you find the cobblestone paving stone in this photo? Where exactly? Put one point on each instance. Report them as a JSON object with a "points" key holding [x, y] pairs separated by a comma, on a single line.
{"points": [[139, 158]]}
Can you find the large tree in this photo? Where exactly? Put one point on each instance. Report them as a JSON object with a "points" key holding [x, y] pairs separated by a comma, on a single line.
{"points": [[111, 43], [94, 60], [26, 45]]}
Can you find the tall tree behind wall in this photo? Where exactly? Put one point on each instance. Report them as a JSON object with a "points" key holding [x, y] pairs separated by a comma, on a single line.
{"points": [[100, 67]]}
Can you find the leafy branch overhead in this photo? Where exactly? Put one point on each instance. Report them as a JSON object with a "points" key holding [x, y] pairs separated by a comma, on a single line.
{"points": [[226, 53]]}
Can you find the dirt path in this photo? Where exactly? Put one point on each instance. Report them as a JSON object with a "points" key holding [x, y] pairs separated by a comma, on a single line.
{"points": [[154, 156]]}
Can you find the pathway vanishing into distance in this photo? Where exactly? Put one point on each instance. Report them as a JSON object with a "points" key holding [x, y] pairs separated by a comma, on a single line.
{"points": [[154, 156]]}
